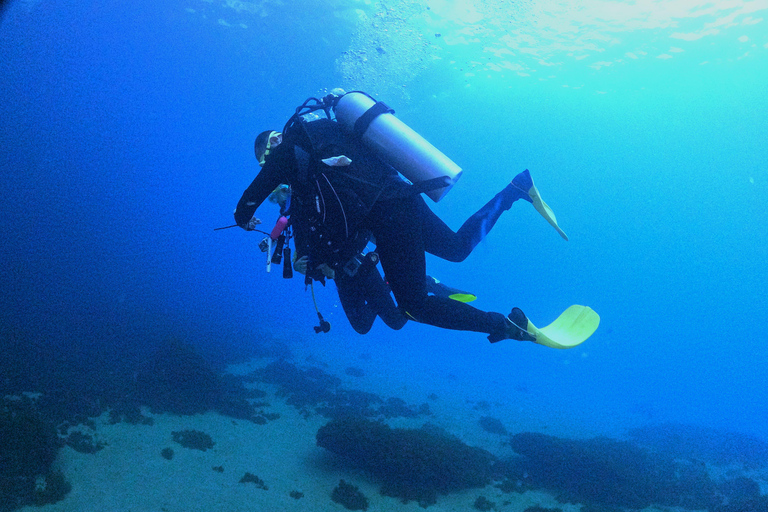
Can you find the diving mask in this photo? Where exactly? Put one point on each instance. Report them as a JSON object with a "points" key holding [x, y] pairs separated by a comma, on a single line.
{"points": [[274, 140]]}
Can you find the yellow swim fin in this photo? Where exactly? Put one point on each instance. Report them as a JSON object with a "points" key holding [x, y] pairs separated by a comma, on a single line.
{"points": [[435, 287], [462, 297], [524, 183], [544, 209], [572, 327]]}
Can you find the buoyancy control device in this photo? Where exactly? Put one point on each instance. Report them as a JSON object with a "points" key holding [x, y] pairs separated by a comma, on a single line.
{"points": [[339, 181]]}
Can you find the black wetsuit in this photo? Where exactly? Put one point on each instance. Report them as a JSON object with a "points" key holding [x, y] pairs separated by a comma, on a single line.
{"points": [[404, 228], [365, 296]]}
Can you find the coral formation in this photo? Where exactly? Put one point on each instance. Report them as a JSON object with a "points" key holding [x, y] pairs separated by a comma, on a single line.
{"points": [[354, 372], [484, 504], [602, 471], [349, 496], [178, 380], [28, 447], [741, 494], [166, 453], [122, 374], [413, 464], [193, 439], [83, 443], [250, 478], [492, 426], [312, 389], [694, 442], [50, 488], [756, 504]]}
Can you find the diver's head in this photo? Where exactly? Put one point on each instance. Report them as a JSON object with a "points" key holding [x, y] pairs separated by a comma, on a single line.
{"points": [[266, 141]]}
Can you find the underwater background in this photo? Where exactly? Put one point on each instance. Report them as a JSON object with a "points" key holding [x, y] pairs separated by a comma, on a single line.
{"points": [[126, 137]]}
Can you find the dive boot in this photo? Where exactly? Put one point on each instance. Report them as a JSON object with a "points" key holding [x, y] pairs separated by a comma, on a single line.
{"points": [[523, 183], [515, 328]]}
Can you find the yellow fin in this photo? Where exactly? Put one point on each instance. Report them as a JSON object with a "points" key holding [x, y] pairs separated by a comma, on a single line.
{"points": [[462, 297], [572, 327], [544, 209]]}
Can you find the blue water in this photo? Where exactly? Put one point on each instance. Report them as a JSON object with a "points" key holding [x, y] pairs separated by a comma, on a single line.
{"points": [[127, 130]]}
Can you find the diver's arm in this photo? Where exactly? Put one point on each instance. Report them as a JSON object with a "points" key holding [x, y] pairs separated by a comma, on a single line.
{"points": [[270, 176], [254, 195]]}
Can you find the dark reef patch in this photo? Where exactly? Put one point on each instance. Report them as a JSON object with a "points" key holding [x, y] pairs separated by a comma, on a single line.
{"points": [[412, 464], [741, 494], [314, 390], [50, 488], [611, 473], [349, 496], [757, 504], [178, 380], [484, 504], [83, 443], [28, 447], [717, 447], [79, 377], [354, 372], [250, 478], [193, 439], [492, 426], [128, 413]]}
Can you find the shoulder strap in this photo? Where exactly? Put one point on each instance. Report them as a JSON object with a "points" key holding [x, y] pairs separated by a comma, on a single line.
{"points": [[302, 163]]}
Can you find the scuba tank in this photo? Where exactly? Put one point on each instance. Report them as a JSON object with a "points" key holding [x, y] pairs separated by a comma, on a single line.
{"points": [[395, 142]]}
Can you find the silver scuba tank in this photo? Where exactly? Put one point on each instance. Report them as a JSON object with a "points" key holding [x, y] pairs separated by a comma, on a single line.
{"points": [[397, 144]]}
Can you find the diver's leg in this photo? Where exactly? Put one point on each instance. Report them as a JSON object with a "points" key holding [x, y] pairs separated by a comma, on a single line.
{"points": [[444, 243], [400, 244], [380, 299], [352, 298]]}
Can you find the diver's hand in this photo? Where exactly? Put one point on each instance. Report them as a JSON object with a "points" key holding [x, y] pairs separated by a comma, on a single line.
{"points": [[252, 224], [300, 265], [326, 270]]}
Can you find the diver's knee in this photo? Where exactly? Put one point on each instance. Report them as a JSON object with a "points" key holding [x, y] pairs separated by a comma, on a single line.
{"points": [[412, 310], [461, 253]]}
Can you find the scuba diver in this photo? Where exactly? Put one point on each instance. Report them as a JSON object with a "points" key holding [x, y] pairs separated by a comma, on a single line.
{"points": [[362, 291], [343, 186]]}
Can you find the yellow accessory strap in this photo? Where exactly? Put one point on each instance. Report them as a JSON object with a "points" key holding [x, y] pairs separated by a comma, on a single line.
{"points": [[269, 146]]}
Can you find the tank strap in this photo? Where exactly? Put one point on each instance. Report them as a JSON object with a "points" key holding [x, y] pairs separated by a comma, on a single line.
{"points": [[368, 116]]}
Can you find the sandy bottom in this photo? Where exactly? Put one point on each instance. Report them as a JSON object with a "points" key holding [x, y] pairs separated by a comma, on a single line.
{"points": [[130, 475]]}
